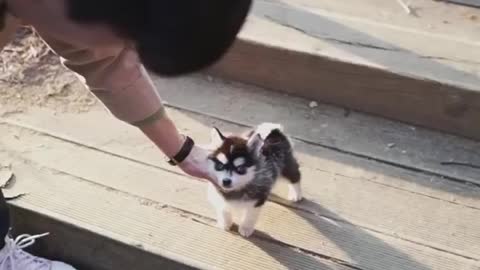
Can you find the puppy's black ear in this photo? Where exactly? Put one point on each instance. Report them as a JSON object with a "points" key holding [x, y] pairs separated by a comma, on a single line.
{"points": [[255, 144], [220, 134], [216, 136]]}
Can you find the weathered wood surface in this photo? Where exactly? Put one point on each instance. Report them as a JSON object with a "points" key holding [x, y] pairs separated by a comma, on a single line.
{"points": [[149, 225], [359, 212], [330, 127], [412, 238], [418, 69]]}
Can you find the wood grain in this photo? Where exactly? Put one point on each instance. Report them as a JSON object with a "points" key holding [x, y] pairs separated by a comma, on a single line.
{"points": [[410, 238], [355, 147], [146, 225], [353, 133], [385, 70]]}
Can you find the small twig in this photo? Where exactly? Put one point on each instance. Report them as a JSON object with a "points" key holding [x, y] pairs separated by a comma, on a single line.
{"points": [[462, 164], [405, 6]]}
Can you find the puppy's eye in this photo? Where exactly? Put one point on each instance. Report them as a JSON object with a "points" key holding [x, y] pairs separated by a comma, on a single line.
{"points": [[219, 166], [241, 170]]}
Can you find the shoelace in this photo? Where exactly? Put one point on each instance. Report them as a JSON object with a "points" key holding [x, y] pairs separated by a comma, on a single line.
{"points": [[15, 253]]}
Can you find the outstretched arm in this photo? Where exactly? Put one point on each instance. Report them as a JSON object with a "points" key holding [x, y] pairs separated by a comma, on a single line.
{"points": [[116, 76]]}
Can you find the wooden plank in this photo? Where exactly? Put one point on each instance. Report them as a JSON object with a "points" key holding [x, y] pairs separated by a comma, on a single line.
{"points": [[356, 134], [314, 232], [112, 136], [77, 245], [150, 226], [375, 26], [433, 18], [400, 82]]}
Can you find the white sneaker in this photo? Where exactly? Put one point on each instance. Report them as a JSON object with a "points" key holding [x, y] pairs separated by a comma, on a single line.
{"points": [[12, 256]]}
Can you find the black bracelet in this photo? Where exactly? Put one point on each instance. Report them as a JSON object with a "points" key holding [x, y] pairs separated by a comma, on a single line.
{"points": [[183, 153]]}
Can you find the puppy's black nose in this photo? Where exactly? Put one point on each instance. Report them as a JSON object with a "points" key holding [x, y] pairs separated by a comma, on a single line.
{"points": [[227, 182]]}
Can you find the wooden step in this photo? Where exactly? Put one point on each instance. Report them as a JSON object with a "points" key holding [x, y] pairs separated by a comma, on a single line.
{"points": [[111, 202], [105, 192], [123, 200], [371, 56], [100, 228]]}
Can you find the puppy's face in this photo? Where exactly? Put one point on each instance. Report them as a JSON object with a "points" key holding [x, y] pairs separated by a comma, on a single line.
{"points": [[232, 163]]}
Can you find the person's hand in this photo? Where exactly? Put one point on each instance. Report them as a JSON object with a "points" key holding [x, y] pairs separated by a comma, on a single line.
{"points": [[165, 135], [196, 164]]}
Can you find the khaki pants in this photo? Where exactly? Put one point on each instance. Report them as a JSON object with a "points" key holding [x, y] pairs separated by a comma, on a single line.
{"points": [[114, 74], [11, 25]]}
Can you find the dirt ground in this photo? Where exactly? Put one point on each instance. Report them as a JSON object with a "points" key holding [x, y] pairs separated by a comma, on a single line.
{"points": [[32, 75]]}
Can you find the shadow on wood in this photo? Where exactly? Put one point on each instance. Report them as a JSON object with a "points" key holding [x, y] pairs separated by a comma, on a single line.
{"points": [[364, 249]]}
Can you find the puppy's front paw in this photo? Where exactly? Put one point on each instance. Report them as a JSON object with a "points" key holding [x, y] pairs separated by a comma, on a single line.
{"points": [[225, 225], [294, 197], [246, 231], [295, 193]]}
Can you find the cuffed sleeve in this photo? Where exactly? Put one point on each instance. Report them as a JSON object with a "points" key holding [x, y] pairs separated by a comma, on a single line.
{"points": [[116, 76]]}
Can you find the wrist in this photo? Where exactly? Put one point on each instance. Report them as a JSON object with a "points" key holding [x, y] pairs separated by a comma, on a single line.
{"points": [[183, 153], [165, 135], [176, 146]]}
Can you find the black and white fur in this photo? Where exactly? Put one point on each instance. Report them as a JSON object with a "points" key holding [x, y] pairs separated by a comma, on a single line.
{"points": [[245, 169]]}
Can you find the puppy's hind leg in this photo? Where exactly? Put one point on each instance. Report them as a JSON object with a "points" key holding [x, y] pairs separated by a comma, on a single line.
{"points": [[291, 172]]}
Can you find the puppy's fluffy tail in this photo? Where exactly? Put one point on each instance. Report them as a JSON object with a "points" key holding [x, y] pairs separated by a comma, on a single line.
{"points": [[274, 137], [266, 129]]}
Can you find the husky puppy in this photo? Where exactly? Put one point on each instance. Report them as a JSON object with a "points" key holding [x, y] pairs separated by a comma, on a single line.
{"points": [[245, 169]]}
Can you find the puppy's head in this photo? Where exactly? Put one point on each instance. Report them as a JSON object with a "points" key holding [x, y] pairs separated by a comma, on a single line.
{"points": [[233, 161]]}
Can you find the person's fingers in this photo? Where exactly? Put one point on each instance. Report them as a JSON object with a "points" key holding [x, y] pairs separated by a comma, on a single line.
{"points": [[197, 171]]}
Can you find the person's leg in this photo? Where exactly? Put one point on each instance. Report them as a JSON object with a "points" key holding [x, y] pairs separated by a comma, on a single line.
{"points": [[4, 220], [8, 27], [12, 257], [11, 254]]}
